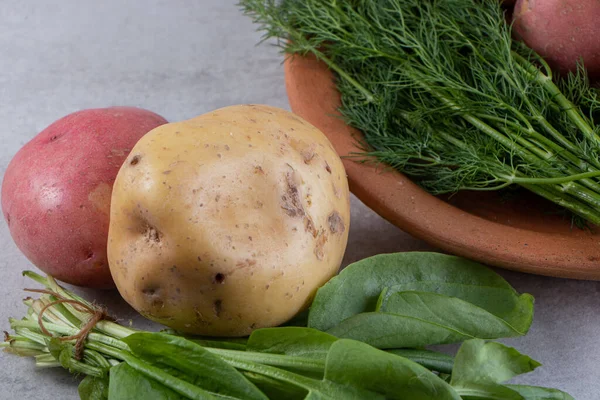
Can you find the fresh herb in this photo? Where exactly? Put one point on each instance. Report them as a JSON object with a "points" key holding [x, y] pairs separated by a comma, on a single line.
{"points": [[277, 363], [443, 93]]}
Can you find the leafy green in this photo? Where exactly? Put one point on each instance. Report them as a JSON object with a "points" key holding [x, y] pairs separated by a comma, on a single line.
{"points": [[128, 384], [388, 331], [480, 361], [293, 341], [355, 363], [442, 92], [416, 319], [276, 389], [539, 393], [480, 367], [311, 343], [457, 313], [357, 289], [208, 371], [431, 360], [286, 362], [356, 370], [488, 391], [92, 388]]}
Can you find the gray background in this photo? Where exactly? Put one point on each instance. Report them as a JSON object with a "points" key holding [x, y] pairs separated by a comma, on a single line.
{"points": [[181, 59]]}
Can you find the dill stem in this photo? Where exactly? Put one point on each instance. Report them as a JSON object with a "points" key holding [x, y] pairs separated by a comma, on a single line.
{"points": [[538, 117], [565, 201], [566, 105], [368, 95], [575, 189], [548, 157], [552, 181]]}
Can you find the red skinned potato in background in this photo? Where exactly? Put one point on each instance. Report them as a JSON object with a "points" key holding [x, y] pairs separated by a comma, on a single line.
{"points": [[562, 31], [56, 191]]}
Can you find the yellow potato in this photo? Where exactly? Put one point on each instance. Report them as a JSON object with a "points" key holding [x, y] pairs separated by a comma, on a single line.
{"points": [[228, 222]]}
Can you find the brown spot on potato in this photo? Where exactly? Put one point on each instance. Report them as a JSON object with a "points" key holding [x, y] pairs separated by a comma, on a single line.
{"points": [[219, 278], [246, 263], [8, 219], [291, 202], [327, 167], [336, 223], [167, 172], [320, 244], [258, 170], [151, 291], [135, 160], [53, 138], [218, 307], [151, 234], [199, 258], [309, 226]]}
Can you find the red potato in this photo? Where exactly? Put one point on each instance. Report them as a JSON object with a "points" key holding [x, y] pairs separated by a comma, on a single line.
{"points": [[56, 191], [562, 31]]}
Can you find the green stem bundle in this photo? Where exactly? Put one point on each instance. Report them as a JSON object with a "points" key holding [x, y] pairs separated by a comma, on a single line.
{"points": [[108, 345], [64, 330]]}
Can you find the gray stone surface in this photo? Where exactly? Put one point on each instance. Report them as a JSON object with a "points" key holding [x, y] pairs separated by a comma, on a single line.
{"points": [[180, 59]]}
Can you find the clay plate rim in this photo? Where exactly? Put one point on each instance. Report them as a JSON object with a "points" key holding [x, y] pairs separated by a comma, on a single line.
{"points": [[568, 253]]}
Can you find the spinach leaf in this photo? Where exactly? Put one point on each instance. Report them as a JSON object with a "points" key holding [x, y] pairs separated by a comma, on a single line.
{"points": [[389, 331], [276, 389], [539, 393], [488, 391], [480, 362], [354, 363], [313, 344], [128, 384], [357, 288], [209, 371], [218, 344], [416, 319], [456, 313], [316, 388], [292, 341], [480, 368], [431, 360], [92, 388]]}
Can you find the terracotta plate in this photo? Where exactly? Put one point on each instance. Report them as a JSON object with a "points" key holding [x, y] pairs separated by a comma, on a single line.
{"points": [[522, 233]]}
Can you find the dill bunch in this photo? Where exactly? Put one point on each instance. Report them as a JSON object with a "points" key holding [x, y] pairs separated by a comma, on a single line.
{"points": [[443, 93]]}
